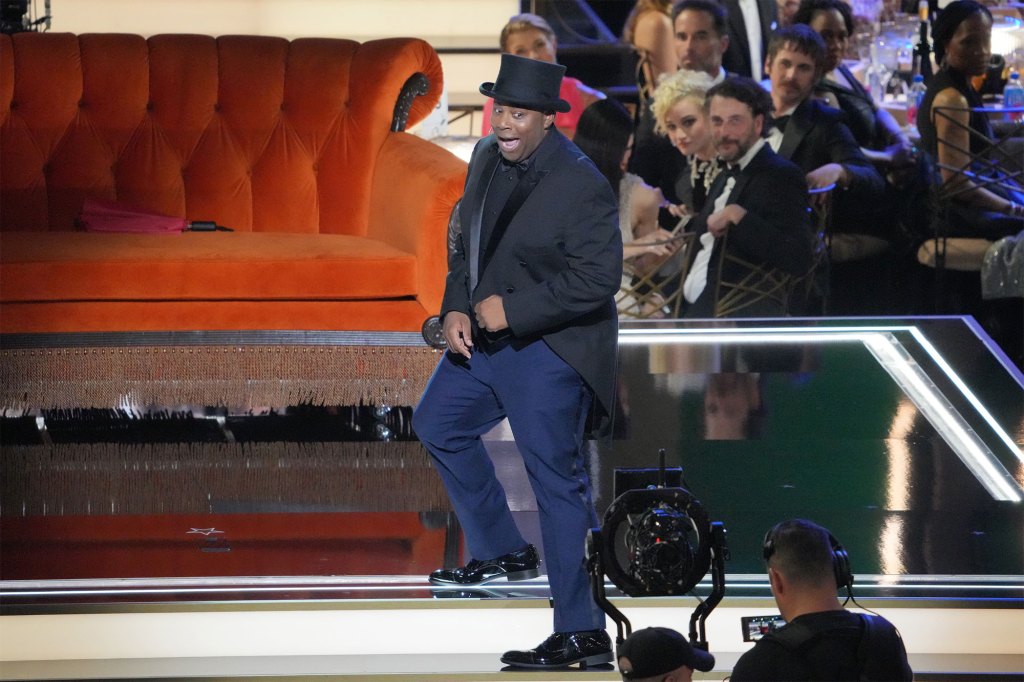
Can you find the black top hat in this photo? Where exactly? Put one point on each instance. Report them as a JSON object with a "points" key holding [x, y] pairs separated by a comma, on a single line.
{"points": [[528, 83]]}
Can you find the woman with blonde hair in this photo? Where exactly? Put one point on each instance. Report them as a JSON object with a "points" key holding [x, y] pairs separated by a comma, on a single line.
{"points": [[531, 36], [679, 114], [649, 31]]}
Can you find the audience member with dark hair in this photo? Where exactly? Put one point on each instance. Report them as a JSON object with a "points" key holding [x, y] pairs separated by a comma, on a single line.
{"points": [[821, 640], [701, 36], [890, 228], [661, 655], [604, 135], [756, 210], [805, 131], [962, 34], [531, 36], [880, 136]]}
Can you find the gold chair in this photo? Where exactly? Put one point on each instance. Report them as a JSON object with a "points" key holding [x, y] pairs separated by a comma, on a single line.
{"points": [[995, 166], [654, 290], [780, 289]]}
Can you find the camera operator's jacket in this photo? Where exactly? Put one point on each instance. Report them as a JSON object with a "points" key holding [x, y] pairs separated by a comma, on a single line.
{"points": [[557, 264]]}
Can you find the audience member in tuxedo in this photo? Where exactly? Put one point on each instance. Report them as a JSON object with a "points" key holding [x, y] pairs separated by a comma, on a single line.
{"points": [[962, 34], [681, 116], [811, 134], [529, 319], [604, 134], [529, 35], [902, 214], [756, 209], [648, 30], [751, 23], [701, 39]]}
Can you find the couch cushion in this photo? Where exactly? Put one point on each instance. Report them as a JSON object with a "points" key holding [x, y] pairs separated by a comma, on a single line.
{"points": [[76, 266]]}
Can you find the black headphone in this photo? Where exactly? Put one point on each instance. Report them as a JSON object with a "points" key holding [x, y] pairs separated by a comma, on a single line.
{"points": [[840, 559]]}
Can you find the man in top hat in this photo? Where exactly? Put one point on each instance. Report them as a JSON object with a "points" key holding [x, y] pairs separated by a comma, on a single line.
{"points": [[529, 319], [661, 655]]}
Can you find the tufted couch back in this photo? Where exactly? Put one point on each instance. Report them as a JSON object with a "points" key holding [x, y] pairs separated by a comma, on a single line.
{"points": [[256, 133]]}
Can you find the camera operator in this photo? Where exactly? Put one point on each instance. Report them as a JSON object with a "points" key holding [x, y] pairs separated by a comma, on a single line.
{"points": [[821, 640]]}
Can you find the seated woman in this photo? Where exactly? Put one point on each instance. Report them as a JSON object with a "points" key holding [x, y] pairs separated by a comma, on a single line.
{"points": [[529, 35], [876, 131], [962, 34], [604, 134], [679, 113]]}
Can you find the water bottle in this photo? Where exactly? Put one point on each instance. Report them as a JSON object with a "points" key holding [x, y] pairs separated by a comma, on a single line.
{"points": [[1013, 96], [914, 97], [877, 76]]}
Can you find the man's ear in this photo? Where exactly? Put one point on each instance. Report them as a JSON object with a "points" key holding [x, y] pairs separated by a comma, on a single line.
{"points": [[777, 582], [725, 42], [549, 120]]}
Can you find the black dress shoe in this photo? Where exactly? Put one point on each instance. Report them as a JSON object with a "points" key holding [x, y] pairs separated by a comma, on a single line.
{"points": [[521, 565], [562, 649]]}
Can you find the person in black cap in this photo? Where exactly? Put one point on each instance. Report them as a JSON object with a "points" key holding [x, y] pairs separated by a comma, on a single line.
{"points": [[661, 655], [529, 319]]}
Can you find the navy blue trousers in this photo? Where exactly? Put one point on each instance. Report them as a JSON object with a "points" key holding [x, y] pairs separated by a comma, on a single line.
{"points": [[546, 403]]}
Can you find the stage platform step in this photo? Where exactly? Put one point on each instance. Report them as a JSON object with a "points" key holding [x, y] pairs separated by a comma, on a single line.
{"points": [[393, 635]]}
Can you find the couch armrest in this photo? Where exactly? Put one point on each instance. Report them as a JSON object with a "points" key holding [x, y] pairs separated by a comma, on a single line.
{"points": [[415, 185]]}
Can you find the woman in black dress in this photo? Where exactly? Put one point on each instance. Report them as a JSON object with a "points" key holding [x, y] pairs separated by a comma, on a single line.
{"points": [[962, 35]]}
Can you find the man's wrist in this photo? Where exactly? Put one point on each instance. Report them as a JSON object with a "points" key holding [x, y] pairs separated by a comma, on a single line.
{"points": [[844, 177]]}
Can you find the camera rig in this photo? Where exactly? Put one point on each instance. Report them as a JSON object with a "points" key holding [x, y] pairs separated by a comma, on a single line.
{"points": [[657, 541]]}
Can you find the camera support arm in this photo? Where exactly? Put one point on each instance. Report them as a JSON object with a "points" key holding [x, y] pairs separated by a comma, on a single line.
{"points": [[595, 566], [719, 555]]}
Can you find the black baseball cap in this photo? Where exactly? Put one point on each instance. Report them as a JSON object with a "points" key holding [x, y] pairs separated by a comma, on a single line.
{"points": [[658, 651]]}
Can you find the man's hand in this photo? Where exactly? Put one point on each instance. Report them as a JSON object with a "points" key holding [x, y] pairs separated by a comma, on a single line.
{"points": [[829, 174], [720, 221], [458, 333], [490, 314]]}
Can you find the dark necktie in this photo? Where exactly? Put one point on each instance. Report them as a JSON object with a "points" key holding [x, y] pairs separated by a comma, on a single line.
{"points": [[781, 122]]}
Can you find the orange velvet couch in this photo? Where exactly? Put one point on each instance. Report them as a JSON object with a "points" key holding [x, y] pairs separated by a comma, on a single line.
{"points": [[339, 216]]}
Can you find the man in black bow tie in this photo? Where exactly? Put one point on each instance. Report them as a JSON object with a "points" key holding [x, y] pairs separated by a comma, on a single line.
{"points": [[756, 210], [530, 322], [808, 132]]}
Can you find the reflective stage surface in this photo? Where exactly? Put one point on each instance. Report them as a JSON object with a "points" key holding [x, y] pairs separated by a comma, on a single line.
{"points": [[902, 436]]}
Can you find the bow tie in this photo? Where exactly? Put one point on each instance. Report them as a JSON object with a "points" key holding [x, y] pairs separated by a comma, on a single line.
{"points": [[731, 171], [781, 122], [519, 166]]}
